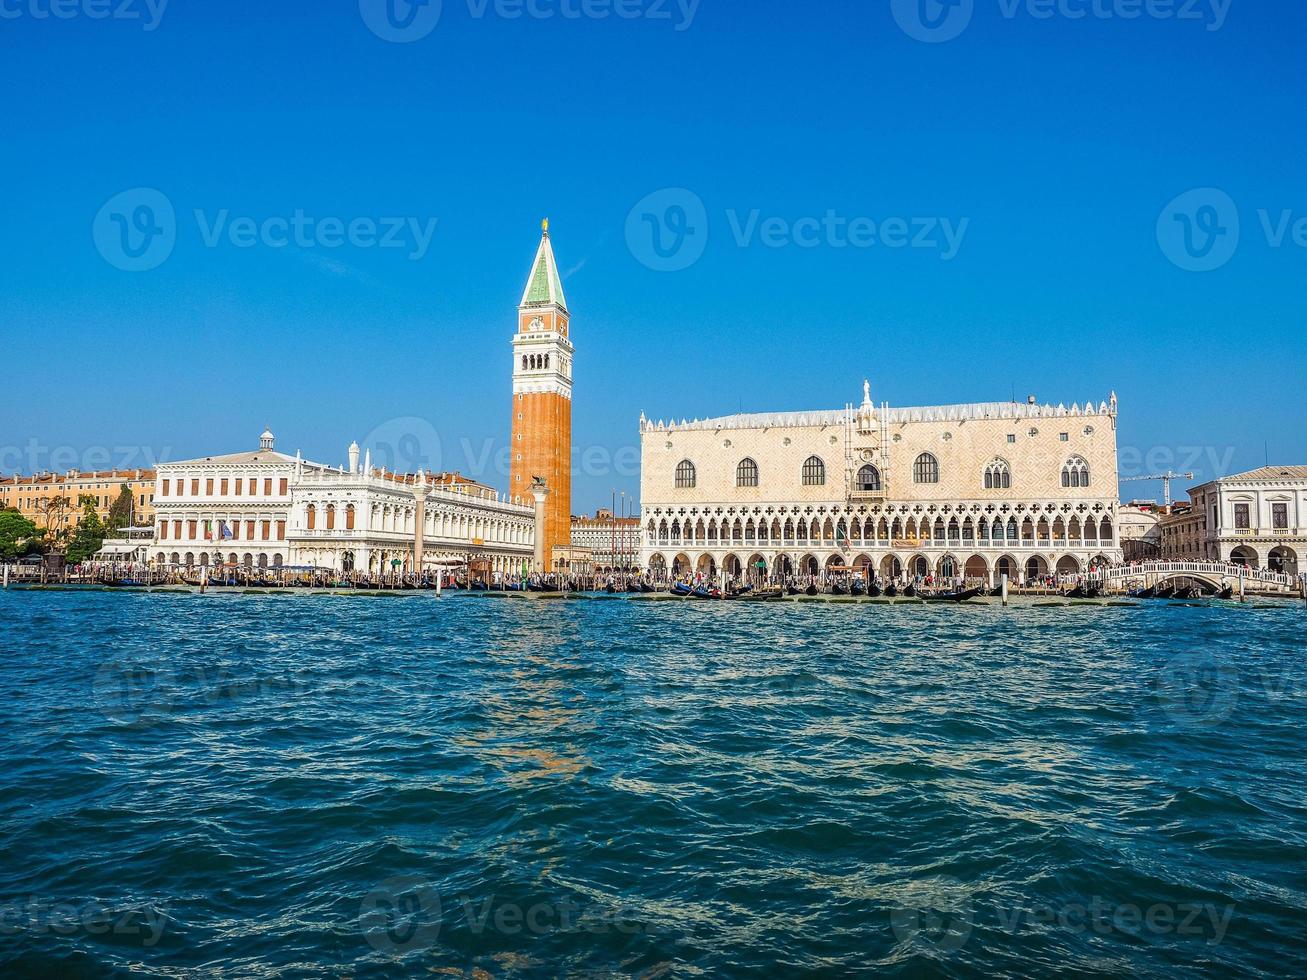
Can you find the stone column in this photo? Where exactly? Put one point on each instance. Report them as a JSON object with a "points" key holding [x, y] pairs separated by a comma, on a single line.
{"points": [[541, 494], [420, 493]]}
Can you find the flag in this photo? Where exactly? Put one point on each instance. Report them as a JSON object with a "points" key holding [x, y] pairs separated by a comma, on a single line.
{"points": [[208, 530], [224, 531]]}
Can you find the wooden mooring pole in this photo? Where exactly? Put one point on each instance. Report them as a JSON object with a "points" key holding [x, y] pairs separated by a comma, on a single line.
{"points": [[1004, 588]]}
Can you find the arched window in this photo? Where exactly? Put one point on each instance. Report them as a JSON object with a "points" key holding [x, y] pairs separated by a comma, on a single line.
{"points": [[331, 517], [925, 469], [311, 517], [868, 479], [998, 476], [814, 472], [1075, 473], [349, 517], [684, 474], [746, 474]]}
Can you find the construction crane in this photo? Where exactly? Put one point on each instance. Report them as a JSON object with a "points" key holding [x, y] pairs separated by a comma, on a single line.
{"points": [[1166, 479]]}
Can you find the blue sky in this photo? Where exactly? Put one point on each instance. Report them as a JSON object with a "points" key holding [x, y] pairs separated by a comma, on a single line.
{"points": [[1050, 147]]}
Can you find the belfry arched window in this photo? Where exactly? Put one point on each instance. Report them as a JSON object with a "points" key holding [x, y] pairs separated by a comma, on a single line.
{"points": [[868, 479], [1075, 473], [998, 475], [814, 472], [925, 469], [746, 474], [684, 475]]}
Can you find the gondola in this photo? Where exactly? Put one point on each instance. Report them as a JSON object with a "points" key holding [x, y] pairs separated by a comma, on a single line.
{"points": [[961, 596], [891, 590], [874, 591], [1188, 592], [791, 590], [681, 589], [646, 587], [837, 589], [1226, 593], [857, 588], [810, 590], [1148, 593], [1077, 593], [1165, 593], [910, 592], [611, 589], [703, 592]]}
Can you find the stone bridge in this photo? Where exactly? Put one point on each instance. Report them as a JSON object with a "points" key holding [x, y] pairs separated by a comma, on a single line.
{"points": [[1215, 574]]}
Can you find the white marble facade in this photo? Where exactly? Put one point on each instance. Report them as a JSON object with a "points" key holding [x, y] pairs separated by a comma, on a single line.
{"points": [[265, 509], [978, 490]]}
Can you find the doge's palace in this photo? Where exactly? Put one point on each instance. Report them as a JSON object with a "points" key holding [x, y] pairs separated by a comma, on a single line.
{"points": [[977, 490]]}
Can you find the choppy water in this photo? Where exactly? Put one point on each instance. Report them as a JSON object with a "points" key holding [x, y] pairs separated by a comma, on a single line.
{"points": [[242, 786]]}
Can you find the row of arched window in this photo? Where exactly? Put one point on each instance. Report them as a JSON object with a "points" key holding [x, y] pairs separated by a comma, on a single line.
{"points": [[535, 362], [925, 470], [898, 532]]}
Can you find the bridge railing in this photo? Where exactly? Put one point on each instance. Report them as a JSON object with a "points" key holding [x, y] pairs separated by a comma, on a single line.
{"points": [[1222, 569]]}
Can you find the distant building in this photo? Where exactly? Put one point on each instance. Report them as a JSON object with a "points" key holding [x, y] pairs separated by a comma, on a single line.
{"points": [[613, 543], [265, 509], [1258, 518], [1182, 531], [977, 490], [1138, 527], [31, 495]]}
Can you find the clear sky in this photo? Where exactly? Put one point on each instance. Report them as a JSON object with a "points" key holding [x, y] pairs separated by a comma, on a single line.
{"points": [[988, 212]]}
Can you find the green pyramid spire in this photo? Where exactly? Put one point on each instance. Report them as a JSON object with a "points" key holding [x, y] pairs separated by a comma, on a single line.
{"points": [[544, 288]]}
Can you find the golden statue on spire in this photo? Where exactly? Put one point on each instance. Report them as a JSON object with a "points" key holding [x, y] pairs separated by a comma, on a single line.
{"points": [[544, 226]]}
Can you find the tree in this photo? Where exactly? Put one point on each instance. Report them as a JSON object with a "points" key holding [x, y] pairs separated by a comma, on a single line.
{"points": [[18, 535], [120, 514], [88, 537], [54, 511]]}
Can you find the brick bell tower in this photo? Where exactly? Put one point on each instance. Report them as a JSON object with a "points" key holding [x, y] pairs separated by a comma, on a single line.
{"points": [[542, 397]]}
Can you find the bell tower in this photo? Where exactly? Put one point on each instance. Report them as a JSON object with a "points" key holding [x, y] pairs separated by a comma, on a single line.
{"points": [[542, 397]]}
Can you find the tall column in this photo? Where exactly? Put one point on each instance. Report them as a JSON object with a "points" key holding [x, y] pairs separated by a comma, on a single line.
{"points": [[541, 494], [420, 493]]}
